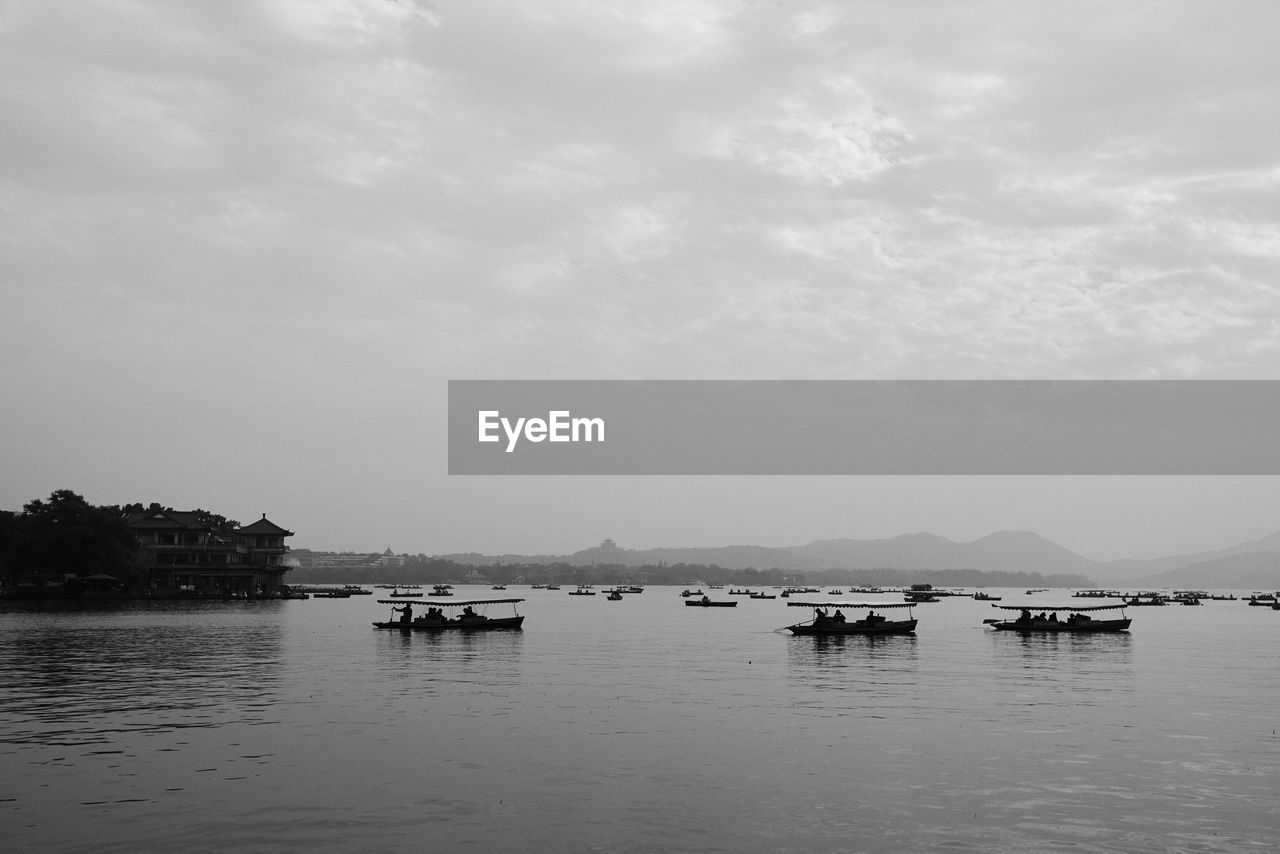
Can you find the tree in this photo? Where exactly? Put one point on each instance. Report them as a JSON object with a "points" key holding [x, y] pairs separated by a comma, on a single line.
{"points": [[67, 535]]}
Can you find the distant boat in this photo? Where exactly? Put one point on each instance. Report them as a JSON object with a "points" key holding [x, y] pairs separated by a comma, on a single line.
{"points": [[1146, 598], [707, 602], [869, 623], [583, 590], [986, 597], [614, 596]]}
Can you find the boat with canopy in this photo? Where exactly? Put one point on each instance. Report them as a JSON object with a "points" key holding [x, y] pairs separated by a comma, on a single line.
{"points": [[869, 623], [1077, 619], [468, 616]]}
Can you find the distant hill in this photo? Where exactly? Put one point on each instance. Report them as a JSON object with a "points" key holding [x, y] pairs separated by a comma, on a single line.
{"points": [[1248, 571], [1251, 565], [1209, 562], [1003, 551]]}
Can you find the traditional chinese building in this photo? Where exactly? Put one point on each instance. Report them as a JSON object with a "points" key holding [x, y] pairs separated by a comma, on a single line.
{"points": [[184, 553]]}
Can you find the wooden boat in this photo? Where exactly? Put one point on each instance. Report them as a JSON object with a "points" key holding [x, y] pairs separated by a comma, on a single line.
{"points": [[460, 616], [1078, 620], [708, 602], [614, 596], [869, 623], [986, 597], [1097, 593], [583, 590], [762, 595]]}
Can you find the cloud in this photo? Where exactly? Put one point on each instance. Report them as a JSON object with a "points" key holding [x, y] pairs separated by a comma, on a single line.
{"points": [[339, 199]]}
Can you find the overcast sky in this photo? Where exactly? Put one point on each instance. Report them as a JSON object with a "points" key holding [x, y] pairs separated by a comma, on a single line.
{"points": [[246, 244]]}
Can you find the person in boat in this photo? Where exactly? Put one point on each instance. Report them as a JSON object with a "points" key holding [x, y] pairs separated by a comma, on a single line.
{"points": [[873, 618], [706, 599], [1042, 617], [1053, 618], [469, 615], [1024, 618], [406, 612], [839, 617]]}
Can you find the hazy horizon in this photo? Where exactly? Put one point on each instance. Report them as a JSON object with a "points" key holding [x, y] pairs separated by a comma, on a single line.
{"points": [[250, 243]]}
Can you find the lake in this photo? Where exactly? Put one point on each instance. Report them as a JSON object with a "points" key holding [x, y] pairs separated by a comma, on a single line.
{"points": [[633, 726]]}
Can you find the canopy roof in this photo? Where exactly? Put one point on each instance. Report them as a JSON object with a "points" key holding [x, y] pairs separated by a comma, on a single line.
{"points": [[851, 604], [1039, 607], [405, 600]]}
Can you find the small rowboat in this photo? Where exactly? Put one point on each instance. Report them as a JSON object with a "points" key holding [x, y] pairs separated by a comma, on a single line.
{"points": [[460, 616], [1077, 620], [869, 623], [706, 602]]}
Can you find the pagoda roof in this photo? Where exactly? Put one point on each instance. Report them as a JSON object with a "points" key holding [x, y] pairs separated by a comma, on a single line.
{"points": [[264, 526]]}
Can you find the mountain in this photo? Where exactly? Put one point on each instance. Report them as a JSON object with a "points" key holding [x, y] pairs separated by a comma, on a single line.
{"points": [[1251, 565], [1148, 571], [1247, 571], [1003, 551]]}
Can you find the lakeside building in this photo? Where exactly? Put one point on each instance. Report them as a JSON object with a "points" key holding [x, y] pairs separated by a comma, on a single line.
{"points": [[184, 554], [339, 561]]}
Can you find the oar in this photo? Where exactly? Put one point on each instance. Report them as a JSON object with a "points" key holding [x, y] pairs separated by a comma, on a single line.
{"points": [[989, 622]]}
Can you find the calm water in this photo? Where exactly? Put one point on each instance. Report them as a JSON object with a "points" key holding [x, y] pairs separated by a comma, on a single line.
{"points": [[633, 726]]}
